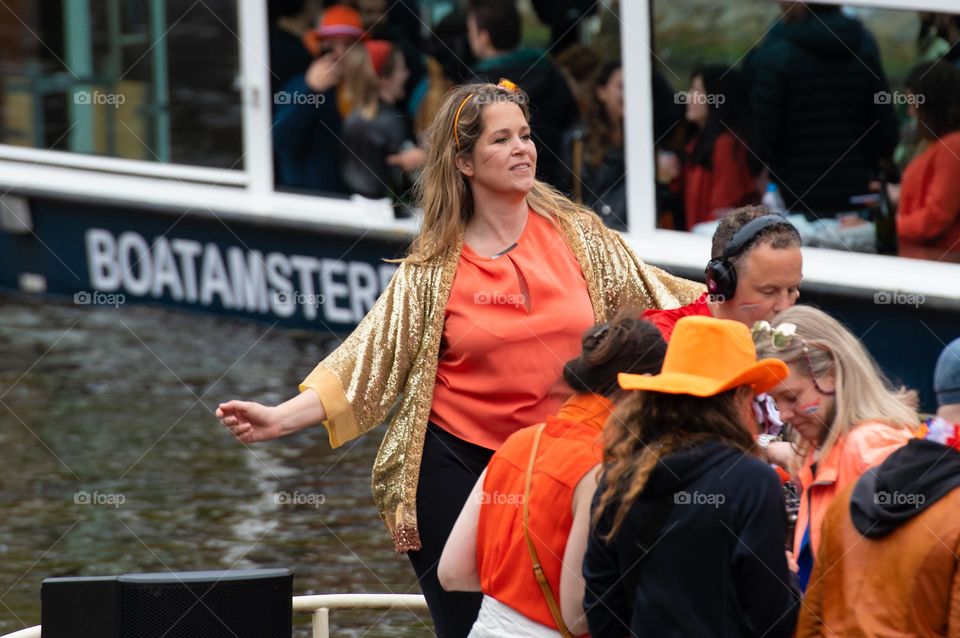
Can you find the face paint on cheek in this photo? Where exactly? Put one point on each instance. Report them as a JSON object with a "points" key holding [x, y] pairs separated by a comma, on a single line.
{"points": [[809, 408], [749, 306]]}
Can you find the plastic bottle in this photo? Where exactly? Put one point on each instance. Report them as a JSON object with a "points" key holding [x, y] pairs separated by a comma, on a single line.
{"points": [[773, 201]]}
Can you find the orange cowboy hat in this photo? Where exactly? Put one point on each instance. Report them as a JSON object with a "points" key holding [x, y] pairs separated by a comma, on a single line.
{"points": [[707, 356]]}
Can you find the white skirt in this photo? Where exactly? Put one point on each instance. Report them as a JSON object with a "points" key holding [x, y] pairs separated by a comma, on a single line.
{"points": [[497, 620]]}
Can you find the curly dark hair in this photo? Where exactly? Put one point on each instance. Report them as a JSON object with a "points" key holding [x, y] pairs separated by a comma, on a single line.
{"points": [[650, 425]]}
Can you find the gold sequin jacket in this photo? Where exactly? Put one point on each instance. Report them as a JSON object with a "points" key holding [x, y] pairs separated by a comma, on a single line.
{"points": [[393, 354]]}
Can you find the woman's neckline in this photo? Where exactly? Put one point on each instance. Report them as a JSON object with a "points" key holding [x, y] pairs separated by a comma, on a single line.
{"points": [[505, 251]]}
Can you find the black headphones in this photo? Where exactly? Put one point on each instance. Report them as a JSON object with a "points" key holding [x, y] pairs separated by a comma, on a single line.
{"points": [[721, 273]]}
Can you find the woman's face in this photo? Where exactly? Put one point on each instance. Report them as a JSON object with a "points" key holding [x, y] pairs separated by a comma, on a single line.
{"points": [[697, 108], [610, 96], [803, 406], [504, 158], [392, 86]]}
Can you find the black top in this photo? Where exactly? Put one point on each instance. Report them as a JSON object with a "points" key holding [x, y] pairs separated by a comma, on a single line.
{"points": [[366, 145], [814, 88], [717, 564], [288, 57]]}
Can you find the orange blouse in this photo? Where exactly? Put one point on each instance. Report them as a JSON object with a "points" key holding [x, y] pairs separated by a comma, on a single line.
{"points": [[510, 325]]}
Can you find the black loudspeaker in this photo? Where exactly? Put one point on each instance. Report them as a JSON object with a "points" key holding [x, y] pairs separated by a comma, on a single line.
{"points": [[252, 603]]}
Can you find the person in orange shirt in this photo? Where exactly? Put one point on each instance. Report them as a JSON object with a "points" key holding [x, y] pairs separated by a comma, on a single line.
{"points": [[928, 215], [843, 413], [465, 345], [531, 505], [721, 167]]}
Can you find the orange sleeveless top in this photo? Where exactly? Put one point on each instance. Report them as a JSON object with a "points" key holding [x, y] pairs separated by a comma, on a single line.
{"points": [[569, 446], [511, 324]]}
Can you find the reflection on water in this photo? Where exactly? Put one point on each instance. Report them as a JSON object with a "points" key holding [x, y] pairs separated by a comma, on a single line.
{"points": [[113, 406]]}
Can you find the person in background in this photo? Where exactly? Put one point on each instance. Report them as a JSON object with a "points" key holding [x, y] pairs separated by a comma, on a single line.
{"points": [[928, 198], [290, 20], [466, 343], [596, 157], [669, 131], [844, 413], [888, 557], [374, 132], [821, 101], [754, 273], [383, 20], [494, 30], [721, 166], [307, 119], [689, 525], [449, 61], [531, 506], [580, 64]]}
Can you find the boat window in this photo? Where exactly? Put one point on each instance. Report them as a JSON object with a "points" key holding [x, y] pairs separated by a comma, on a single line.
{"points": [[365, 134], [149, 80], [833, 115]]}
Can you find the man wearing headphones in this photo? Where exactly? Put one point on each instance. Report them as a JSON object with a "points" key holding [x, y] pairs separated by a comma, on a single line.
{"points": [[754, 271]]}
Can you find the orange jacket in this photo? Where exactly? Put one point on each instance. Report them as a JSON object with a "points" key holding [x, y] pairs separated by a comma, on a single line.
{"points": [[569, 447], [866, 445], [929, 211], [903, 584]]}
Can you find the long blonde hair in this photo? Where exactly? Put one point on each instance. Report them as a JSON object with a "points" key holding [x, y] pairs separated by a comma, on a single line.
{"points": [[361, 84], [863, 392], [443, 192]]}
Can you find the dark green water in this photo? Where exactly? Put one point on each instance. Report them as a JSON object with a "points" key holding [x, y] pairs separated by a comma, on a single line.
{"points": [[117, 403]]}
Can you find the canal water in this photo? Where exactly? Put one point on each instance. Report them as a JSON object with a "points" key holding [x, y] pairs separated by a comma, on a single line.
{"points": [[114, 462]]}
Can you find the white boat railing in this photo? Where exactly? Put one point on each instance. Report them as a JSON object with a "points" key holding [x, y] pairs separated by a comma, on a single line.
{"points": [[319, 606]]}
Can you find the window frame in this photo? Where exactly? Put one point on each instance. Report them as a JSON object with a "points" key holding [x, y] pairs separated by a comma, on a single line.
{"points": [[849, 272]]}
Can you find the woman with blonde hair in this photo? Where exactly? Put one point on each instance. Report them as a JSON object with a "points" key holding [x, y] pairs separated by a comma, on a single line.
{"points": [[466, 343], [845, 415]]}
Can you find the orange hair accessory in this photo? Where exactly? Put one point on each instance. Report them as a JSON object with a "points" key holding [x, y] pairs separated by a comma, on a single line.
{"points": [[456, 119], [504, 84]]}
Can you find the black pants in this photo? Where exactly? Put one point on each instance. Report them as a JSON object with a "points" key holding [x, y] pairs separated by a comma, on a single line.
{"points": [[448, 471]]}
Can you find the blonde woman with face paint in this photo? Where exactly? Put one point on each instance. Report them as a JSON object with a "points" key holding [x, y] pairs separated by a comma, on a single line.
{"points": [[466, 344], [845, 415]]}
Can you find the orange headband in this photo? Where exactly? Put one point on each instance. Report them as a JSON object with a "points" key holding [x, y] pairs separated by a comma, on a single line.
{"points": [[504, 83]]}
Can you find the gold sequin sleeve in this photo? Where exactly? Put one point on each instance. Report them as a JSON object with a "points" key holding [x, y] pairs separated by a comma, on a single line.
{"points": [[360, 381], [629, 282]]}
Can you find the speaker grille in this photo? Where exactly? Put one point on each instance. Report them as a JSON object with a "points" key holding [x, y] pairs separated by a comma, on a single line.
{"points": [[221, 610]]}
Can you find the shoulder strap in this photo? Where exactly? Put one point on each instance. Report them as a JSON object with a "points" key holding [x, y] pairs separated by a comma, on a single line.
{"points": [[537, 567]]}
